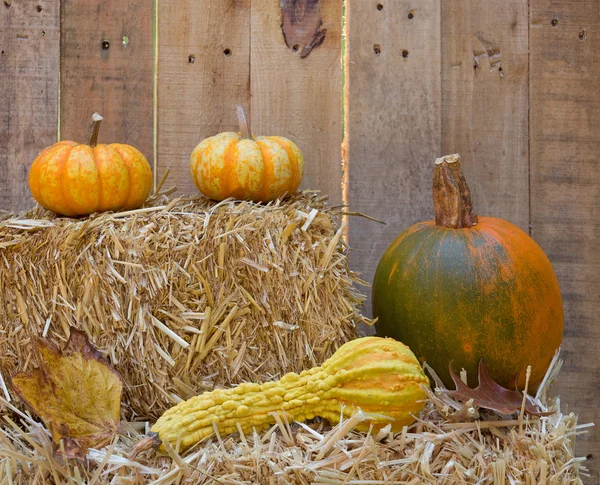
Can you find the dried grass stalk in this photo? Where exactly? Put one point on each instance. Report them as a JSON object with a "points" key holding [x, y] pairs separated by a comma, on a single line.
{"points": [[440, 448], [182, 295]]}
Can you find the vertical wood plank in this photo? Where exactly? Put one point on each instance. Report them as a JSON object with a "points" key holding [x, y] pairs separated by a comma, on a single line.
{"points": [[393, 132], [485, 102], [203, 73], [300, 97], [107, 65], [565, 188], [29, 47]]}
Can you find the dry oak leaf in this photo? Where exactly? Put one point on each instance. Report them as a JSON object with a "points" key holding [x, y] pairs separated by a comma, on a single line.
{"points": [[491, 395], [76, 392]]}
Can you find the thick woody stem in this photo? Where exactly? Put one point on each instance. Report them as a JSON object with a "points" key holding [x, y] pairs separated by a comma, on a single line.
{"points": [[451, 195], [95, 129], [244, 123]]}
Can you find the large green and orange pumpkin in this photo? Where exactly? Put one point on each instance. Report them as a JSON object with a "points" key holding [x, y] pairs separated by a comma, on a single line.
{"points": [[74, 179], [243, 167], [462, 288]]}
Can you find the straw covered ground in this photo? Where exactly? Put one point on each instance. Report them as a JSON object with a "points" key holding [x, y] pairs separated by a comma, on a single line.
{"points": [[181, 295], [184, 295], [451, 443]]}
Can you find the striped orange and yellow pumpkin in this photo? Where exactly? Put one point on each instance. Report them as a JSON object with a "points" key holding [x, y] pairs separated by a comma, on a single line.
{"points": [[243, 167], [74, 179]]}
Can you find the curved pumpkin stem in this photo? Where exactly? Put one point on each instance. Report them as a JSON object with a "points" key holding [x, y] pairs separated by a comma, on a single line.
{"points": [[451, 195], [95, 129], [244, 123]]}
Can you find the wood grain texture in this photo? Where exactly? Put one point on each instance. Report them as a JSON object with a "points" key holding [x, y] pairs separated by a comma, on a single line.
{"points": [[203, 73], [29, 47], [107, 63], [393, 132], [300, 98], [565, 189], [485, 102]]}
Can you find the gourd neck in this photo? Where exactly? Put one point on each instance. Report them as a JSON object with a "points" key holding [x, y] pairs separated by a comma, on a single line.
{"points": [[244, 123], [451, 195], [95, 129]]}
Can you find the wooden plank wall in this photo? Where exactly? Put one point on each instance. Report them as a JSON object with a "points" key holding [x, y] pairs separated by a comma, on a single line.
{"points": [[29, 64], [393, 120], [485, 101], [511, 85], [565, 188], [107, 66]]}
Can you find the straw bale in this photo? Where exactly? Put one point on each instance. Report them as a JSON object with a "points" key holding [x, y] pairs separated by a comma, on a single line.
{"points": [[451, 443], [182, 295]]}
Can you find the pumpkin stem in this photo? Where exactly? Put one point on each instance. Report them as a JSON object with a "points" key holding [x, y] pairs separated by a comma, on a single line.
{"points": [[451, 195], [244, 123], [95, 129]]}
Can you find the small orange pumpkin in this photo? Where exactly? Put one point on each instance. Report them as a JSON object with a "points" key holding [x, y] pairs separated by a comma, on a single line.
{"points": [[240, 166], [73, 179]]}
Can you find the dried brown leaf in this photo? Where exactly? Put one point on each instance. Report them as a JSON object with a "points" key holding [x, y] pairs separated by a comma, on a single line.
{"points": [[76, 392], [491, 395]]}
